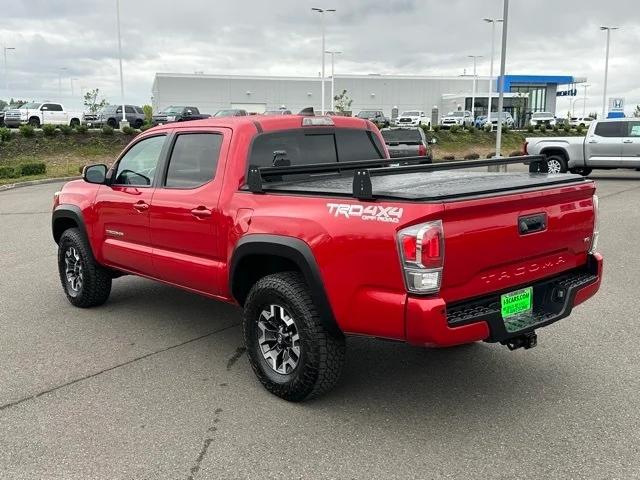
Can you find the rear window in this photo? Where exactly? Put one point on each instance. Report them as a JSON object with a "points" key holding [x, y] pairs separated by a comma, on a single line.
{"points": [[193, 160], [609, 129], [303, 147], [401, 135]]}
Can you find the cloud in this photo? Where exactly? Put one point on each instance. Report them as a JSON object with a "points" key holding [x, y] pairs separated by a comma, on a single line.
{"points": [[281, 37]]}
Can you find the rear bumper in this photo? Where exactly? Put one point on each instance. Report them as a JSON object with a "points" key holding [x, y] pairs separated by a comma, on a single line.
{"points": [[430, 322]]}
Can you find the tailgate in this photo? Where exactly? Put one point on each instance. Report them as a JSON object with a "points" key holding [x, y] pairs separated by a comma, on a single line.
{"points": [[402, 150], [486, 250]]}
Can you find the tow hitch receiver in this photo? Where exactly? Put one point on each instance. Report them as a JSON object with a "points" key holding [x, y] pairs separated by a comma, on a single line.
{"points": [[526, 341]]}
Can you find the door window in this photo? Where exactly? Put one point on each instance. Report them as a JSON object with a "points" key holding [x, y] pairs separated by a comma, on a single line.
{"points": [[128, 109], [138, 166], [633, 129], [609, 129], [53, 107], [193, 160]]}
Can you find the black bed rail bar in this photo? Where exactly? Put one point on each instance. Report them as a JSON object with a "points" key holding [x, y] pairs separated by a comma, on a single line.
{"points": [[365, 169]]}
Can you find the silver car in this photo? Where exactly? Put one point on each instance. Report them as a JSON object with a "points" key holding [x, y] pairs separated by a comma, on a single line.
{"points": [[611, 143]]}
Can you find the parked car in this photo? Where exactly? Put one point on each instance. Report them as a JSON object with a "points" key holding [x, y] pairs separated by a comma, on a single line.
{"points": [[111, 115], [178, 113], [581, 121], [407, 142], [2, 112], [312, 253], [280, 111], [460, 118], [40, 113], [412, 118], [376, 116], [89, 118], [507, 119], [231, 112], [610, 143], [480, 121], [543, 118]]}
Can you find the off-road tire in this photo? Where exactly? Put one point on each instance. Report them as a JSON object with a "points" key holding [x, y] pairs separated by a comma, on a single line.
{"points": [[96, 280], [322, 354]]}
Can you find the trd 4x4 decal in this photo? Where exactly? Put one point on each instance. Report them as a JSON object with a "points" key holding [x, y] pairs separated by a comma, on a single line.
{"points": [[370, 212]]}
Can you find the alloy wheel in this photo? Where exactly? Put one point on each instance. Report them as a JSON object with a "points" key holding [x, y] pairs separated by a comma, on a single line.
{"points": [[554, 166], [73, 270], [278, 339]]}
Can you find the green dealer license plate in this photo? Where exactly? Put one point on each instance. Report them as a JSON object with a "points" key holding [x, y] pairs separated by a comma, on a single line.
{"points": [[516, 303]]}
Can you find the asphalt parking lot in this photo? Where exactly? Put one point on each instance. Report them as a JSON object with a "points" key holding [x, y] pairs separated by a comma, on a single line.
{"points": [[155, 384]]}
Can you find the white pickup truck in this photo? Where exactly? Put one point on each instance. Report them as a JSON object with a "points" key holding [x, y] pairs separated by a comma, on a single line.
{"points": [[611, 143], [37, 114]]}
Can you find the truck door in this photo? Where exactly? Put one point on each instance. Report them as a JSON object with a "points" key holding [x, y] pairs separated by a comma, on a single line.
{"points": [[631, 145], [122, 207], [184, 216], [603, 146], [52, 114]]}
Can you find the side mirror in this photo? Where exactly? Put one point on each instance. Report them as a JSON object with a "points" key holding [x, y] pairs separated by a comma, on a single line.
{"points": [[188, 112], [44, 108], [95, 173]]}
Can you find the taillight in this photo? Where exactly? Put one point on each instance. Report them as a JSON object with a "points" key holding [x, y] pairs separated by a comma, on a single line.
{"points": [[596, 225], [422, 256], [524, 148], [422, 151]]}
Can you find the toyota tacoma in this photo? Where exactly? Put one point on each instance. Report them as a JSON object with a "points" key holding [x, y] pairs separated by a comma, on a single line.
{"points": [[305, 223]]}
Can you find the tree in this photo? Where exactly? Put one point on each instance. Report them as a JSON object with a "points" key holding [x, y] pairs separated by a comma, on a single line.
{"points": [[148, 113], [91, 100], [2, 104], [342, 102], [636, 112]]}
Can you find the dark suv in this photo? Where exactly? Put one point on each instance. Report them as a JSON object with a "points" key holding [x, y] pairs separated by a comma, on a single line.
{"points": [[112, 115], [376, 116], [178, 113]]}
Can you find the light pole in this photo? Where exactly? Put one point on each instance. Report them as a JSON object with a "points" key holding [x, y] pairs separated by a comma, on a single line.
{"points": [[124, 118], [503, 62], [6, 69], [333, 53], [473, 89], [322, 11], [584, 100], [606, 70], [71, 79], [62, 69], [493, 22]]}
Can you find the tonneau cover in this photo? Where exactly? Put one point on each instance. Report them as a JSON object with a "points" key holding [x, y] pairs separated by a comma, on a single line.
{"points": [[427, 186]]}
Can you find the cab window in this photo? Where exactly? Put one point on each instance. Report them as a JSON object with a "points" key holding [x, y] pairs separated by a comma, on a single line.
{"points": [[138, 166], [609, 129], [193, 160]]}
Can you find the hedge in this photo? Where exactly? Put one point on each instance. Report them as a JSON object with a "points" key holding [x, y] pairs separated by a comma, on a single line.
{"points": [[7, 172], [34, 168]]}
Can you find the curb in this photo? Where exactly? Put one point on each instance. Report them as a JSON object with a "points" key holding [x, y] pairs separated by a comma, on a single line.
{"points": [[28, 183]]}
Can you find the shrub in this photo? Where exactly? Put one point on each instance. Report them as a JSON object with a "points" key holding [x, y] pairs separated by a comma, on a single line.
{"points": [[543, 129], [34, 168], [107, 130], [491, 154], [7, 172], [145, 126], [49, 130], [505, 129], [82, 129], [66, 129], [5, 134], [556, 127], [536, 126], [579, 130], [566, 127], [472, 156], [454, 128], [487, 127], [129, 130], [448, 157], [530, 128], [471, 128], [516, 153], [436, 128], [27, 131]]}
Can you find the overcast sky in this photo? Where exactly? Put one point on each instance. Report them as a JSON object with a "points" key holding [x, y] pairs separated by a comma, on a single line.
{"points": [[282, 37]]}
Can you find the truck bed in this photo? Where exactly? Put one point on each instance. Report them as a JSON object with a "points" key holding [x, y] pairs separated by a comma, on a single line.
{"points": [[427, 186]]}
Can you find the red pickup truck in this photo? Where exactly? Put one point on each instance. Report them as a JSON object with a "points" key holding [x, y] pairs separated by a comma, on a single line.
{"points": [[307, 224]]}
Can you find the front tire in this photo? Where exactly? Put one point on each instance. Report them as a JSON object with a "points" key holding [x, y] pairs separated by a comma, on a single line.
{"points": [[289, 349], [84, 281], [34, 122]]}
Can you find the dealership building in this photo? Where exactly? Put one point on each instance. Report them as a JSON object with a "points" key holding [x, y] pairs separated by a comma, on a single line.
{"points": [[524, 94]]}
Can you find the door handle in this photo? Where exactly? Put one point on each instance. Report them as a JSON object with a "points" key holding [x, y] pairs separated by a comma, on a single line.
{"points": [[201, 212], [593, 141], [141, 206], [627, 141]]}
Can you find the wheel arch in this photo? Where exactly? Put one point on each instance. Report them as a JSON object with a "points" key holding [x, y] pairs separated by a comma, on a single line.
{"points": [[555, 150], [67, 216], [258, 255]]}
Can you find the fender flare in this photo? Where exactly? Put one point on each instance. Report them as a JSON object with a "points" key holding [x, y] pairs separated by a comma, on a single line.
{"points": [[71, 212], [298, 252]]}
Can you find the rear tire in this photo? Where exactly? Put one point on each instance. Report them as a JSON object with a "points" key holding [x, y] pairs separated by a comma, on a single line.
{"points": [[556, 164], [289, 349], [84, 281]]}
